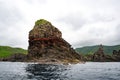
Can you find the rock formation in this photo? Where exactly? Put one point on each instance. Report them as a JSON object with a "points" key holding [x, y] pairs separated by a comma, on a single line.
{"points": [[116, 55], [46, 44], [99, 54]]}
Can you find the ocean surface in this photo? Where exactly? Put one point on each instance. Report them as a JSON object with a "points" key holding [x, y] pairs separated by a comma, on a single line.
{"points": [[34, 71]]}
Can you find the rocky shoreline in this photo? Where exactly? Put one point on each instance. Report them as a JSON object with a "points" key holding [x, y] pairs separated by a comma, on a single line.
{"points": [[24, 58]]}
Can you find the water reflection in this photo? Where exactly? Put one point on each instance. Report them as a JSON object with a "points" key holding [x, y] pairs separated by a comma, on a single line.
{"points": [[47, 72], [88, 71]]}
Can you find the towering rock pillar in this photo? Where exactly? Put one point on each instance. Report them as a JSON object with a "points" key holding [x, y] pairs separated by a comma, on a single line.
{"points": [[99, 54], [46, 42]]}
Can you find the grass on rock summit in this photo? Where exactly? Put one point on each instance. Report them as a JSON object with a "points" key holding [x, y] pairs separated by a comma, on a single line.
{"points": [[41, 22]]}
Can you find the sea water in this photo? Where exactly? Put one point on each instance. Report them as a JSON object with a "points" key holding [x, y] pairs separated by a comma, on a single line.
{"points": [[35, 71]]}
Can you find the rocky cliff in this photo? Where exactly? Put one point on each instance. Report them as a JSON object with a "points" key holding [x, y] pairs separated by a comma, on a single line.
{"points": [[46, 44]]}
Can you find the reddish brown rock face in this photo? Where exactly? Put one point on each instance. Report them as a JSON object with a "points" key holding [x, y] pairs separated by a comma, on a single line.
{"points": [[45, 41]]}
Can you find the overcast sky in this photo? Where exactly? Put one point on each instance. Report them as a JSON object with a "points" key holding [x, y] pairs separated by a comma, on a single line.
{"points": [[82, 22]]}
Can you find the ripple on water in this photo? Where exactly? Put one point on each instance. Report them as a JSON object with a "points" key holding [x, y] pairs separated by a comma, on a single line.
{"points": [[31, 71]]}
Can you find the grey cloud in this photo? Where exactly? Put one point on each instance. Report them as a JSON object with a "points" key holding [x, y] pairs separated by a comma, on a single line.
{"points": [[118, 34], [39, 1], [118, 28], [13, 38], [102, 18], [76, 20], [96, 35], [103, 11], [12, 42], [89, 42], [9, 15]]}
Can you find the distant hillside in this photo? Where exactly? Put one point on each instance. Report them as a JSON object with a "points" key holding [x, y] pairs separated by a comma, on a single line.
{"points": [[6, 51], [92, 49]]}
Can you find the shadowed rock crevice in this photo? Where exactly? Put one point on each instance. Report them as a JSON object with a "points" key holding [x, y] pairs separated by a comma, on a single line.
{"points": [[46, 43]]}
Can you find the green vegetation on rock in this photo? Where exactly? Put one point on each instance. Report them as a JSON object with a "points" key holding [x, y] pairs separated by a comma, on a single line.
{"points": [[92, 49], [6, 51], [40, 22]]}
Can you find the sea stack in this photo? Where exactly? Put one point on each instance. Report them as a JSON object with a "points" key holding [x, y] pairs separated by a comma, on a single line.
{"points": [[47, 45], [99, 55]]}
